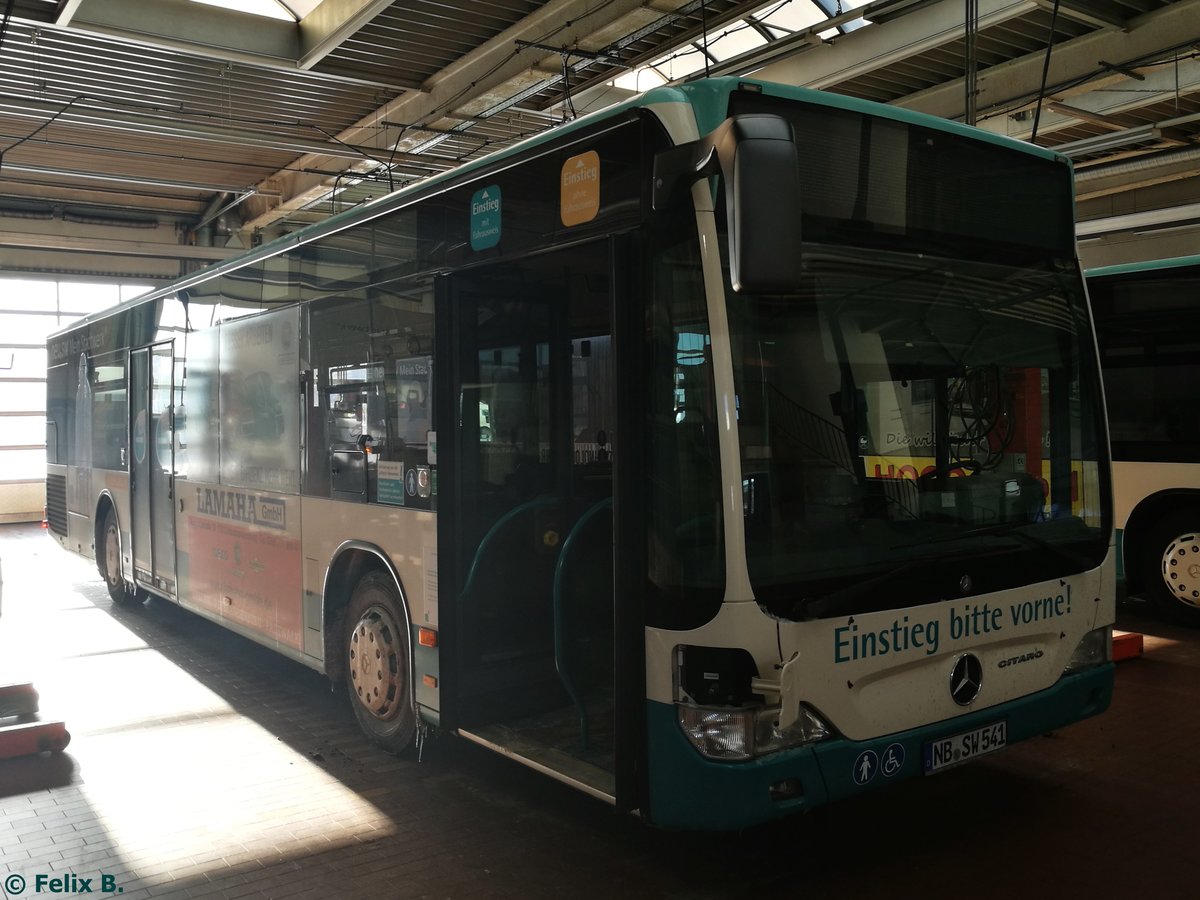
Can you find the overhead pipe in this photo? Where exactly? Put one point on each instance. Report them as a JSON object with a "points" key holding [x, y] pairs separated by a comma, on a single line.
{"points": [[116, 221], [11, 213], [201, 232], [1141, 164], [50, 212], [215, 210]]}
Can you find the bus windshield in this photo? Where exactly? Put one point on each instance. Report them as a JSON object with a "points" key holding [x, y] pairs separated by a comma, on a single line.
{"points": [[902, 413]]}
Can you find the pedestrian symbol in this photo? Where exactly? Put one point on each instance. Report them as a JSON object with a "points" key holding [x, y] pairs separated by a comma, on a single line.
{"points": [[865, 767]]}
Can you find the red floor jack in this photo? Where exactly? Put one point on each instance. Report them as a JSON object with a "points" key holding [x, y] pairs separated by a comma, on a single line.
{"points": [[21, 733]]}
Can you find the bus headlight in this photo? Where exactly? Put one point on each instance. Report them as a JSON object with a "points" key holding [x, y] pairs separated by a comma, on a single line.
{"points": [[739, 733], [1094, 649]]}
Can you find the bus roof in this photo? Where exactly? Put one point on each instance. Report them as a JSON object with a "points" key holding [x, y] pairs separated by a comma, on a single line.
{"points": [[1150, 265], [708, 97]]}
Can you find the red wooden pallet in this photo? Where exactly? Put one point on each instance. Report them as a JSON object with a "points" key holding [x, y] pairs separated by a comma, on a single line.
{"points": [[25, 738], [1126, 645], [18, 700], [18, 735]]}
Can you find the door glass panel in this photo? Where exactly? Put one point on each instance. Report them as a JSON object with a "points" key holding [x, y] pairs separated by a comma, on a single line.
{"points": [[535, 439], [140, 461], [162, 468], [152, 465]]}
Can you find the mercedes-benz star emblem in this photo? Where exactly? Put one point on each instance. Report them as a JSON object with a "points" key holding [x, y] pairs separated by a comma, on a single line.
{"points": [[966, 678]]}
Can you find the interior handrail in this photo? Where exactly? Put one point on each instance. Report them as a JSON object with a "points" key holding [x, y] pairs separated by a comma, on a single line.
{"points": [[535, 503], [559, 626]]}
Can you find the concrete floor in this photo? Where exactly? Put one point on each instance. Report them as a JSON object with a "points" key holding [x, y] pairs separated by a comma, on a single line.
{"points": [[204, 765]]}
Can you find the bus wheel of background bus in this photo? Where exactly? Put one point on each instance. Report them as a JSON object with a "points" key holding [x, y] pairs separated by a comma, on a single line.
{"points": [[377, 663], [108, 561], [1171, 566]]}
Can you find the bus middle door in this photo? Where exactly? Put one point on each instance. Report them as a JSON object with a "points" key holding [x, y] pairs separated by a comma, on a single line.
{"points": [[529, 522], [152, 465]]}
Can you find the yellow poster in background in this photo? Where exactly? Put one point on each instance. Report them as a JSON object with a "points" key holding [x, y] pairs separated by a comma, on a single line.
{"points": [[1085, 478], [579, 189]]}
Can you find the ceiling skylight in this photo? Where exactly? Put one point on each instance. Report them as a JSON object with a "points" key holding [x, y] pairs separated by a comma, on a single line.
{"points": [[287, 10], [779, 20]]}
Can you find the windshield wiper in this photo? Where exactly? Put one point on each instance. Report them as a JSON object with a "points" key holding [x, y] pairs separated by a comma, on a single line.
{"points": [[998, 528], [836, 603], [1007, 529]]}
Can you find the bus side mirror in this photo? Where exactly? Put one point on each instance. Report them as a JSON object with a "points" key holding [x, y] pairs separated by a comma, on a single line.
{"points": [[759, 166]]}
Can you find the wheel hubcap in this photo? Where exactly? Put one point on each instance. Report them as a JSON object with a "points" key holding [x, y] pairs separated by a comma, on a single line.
{"points": [[1181, 569], [112, 556], [374, 663]]}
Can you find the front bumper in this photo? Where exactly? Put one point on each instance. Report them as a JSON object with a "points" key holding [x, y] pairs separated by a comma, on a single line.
{"points": [[689, 791]]}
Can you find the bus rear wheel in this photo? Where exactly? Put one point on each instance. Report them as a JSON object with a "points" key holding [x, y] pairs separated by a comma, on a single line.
{"points": [[1171, 566], [378, 669], [108, 561]]}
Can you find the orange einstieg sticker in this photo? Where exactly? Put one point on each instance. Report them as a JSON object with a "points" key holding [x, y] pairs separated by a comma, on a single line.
{"points": [[579, 189]]}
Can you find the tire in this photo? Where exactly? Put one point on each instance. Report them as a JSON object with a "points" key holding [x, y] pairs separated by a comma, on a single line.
{"points": [[378, 669], [108, 562], [1170, 566]]}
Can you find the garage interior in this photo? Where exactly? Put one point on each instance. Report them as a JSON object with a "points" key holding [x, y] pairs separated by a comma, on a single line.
{"points": [[139, 147], [142, 142]]}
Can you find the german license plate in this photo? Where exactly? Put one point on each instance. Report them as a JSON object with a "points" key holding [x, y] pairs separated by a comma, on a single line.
{"points": [[960, 748]]}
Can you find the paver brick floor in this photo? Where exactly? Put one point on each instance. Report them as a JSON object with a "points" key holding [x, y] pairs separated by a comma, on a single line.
{"points": [[202, 765]]}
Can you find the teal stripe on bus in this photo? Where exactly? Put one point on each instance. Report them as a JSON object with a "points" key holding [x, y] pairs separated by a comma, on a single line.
{"points": [[1153, 265], [689, 791]]}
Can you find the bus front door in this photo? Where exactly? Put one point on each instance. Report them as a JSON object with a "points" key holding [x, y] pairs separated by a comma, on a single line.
{"points": [[152, 466], [526, 510]]}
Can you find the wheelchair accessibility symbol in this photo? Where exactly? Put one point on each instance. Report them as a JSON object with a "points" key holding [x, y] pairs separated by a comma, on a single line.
{"points": [[893, 760]]}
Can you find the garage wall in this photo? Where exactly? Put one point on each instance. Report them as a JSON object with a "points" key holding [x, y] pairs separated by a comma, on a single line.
{"points": [[30, 309]]}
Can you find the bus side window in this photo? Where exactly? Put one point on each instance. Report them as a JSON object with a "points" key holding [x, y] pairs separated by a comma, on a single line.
{"points": [[371, 351], [411, 415]]}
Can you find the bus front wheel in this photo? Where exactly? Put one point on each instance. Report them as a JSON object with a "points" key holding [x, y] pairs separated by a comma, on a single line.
{"points": [[1171, 566], [108, 561], [378, 671]]}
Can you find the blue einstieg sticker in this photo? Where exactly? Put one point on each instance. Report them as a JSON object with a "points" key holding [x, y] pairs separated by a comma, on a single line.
{"points": [[485, 218]]}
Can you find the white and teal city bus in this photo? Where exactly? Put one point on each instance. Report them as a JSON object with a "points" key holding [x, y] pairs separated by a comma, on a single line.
{"points": [[731, 451], [1148, 326]]}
